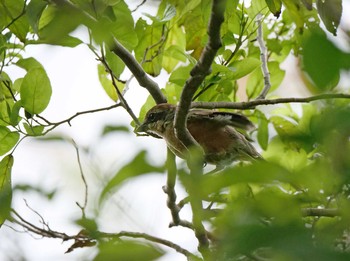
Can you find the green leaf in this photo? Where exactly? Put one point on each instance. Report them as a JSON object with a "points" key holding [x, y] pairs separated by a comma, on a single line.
{"points": [[5, 188], [139, 165], [255, 82], [35, 91], [114, 128], [180, 75], [34, 11], [57, 22], [263, 131], [175, 49], [29, 64], [322, 61], [13, 16], [244, 67], [15, 118], [127, 251], [33, 130], [150, 47], [115, 63], [261, 172], [123, 26], [330, 13], [8, 140], [274, 6], [106, 82]]}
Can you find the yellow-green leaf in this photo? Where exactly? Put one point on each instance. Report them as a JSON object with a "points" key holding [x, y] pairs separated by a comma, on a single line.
{"points": [[8, 139], [35, 91]]}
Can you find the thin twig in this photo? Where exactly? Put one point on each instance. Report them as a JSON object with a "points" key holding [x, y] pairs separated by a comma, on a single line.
{"points": [[150, 238], [68, 120], [253, 104], [84, 237], [139, 5], [83, 178], [120, 95], [169, 189], [263, 58]]}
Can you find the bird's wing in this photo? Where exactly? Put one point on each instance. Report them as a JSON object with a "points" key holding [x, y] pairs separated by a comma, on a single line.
{"points": [[223, 118]]}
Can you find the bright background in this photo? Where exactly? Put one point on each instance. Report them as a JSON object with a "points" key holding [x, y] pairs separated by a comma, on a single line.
{"points": [[140, 205]]}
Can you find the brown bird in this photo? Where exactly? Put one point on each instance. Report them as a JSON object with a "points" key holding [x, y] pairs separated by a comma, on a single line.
{"points": [[214, 131]]}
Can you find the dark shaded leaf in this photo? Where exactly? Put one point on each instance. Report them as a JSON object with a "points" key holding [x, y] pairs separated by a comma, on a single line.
{"points": [[330, 12], [5, 188], [274, 6], [322, 61]]}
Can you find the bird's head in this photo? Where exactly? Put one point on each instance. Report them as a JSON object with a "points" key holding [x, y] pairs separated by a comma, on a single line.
{"points": [[157, 119]]}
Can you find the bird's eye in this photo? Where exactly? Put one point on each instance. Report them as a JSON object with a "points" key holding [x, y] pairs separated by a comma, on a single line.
{"points": [[151, 116]]}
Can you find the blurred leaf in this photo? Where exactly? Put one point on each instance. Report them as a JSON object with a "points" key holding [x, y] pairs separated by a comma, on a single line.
{"points": [[322, 61], [114, 128], [308, 4], [8, 139], [139, 165], [330, 13], [289, 155], [275, 7], [88, 224], [5, 188], [259, 172], [263, 131], [31, 188], [127, 251], [35, 91]]}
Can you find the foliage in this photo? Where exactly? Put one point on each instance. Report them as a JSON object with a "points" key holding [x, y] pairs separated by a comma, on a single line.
{"points": [[293, 206]]}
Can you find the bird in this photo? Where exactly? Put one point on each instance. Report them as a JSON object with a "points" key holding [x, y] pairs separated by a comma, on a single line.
{"points": [[216, 132]]}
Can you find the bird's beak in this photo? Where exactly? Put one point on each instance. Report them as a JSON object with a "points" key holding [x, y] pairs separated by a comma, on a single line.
{"points": [[142, 128]]}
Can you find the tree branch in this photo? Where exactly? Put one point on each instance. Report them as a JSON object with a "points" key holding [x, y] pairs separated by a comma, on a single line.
{"points": [[84, 240], [198, 74], [253, 104], [263, 58], [136, 69]]}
